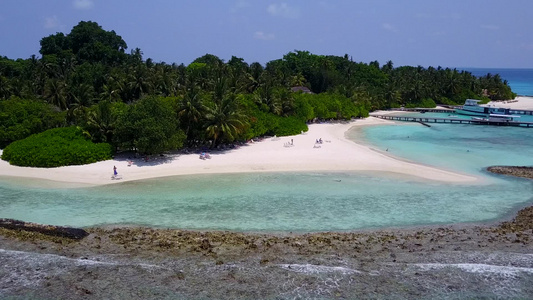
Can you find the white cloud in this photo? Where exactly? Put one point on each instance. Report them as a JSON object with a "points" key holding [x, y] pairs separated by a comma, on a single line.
{"points": [[51, 22], [283, 10], [490, 27], [259, 35], [83, 4], [389, 27]]}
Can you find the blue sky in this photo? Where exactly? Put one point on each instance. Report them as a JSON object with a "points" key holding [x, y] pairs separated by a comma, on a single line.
{"points": [[451, 33]]}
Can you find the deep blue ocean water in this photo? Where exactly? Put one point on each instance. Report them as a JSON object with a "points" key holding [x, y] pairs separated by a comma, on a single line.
{"points": [[520, 80]]}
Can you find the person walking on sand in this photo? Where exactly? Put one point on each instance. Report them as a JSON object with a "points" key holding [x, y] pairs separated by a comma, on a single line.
{"points": [[115, 170]]}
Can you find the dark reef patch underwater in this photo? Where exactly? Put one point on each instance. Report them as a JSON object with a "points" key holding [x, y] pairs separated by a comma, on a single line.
{"points": [[444, 262]]}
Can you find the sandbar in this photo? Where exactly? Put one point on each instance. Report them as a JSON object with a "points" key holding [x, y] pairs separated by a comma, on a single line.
{"points": [[336, 153]]}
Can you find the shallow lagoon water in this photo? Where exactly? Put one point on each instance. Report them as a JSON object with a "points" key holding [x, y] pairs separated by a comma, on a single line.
{"points": [[304, 202]]}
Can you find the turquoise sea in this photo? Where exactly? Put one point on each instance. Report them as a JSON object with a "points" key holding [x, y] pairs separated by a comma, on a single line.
{"points": [[304, 202]]}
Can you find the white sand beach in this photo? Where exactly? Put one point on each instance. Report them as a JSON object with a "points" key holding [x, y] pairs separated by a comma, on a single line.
{"points": [[524, 103], [336, 153]]}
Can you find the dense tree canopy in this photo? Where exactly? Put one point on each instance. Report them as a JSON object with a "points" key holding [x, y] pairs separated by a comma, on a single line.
{"points": [[86, 78], [87, 42], [150, 126]]}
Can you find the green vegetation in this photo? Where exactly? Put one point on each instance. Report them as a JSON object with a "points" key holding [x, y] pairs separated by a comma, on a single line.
{"points": [[21, 118], [56, 147], [150, 126], [86, 78]]}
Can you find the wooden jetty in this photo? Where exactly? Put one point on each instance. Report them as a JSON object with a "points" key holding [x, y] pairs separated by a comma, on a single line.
{"points": [[424, 121], [424, 110]]}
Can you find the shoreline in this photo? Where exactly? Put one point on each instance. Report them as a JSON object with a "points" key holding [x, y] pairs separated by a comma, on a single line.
{"points": [[454, 261], [336, 153], [520, 102]]}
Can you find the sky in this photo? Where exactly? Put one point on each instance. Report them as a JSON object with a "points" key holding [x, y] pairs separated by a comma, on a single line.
{"points": [[447, 33]]}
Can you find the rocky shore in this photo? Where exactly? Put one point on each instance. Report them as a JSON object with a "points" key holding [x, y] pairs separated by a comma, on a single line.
{"points": [[525, 172], [443, 262]]}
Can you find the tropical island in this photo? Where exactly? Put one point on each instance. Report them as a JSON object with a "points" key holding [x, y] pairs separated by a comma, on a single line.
{"points": [[86, 106], [86, 80]]}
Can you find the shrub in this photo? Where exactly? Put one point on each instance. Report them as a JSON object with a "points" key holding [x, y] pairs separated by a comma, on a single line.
{"points": [[21, 118], [56, 147], [446, 101], [288, 126], [424, 103]]}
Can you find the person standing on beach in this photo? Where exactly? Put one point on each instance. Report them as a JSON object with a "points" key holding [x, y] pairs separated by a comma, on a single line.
{"points": [[115, 170]]}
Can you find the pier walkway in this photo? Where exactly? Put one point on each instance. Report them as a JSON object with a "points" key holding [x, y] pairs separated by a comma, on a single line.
{"points": [[424, 121]]}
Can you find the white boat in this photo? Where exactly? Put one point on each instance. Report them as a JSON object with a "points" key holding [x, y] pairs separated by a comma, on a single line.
{"points": [[472, 108], [497, 118]]}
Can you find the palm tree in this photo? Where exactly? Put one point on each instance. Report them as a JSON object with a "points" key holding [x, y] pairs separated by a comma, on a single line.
{"points": [[81, 98], [55, 93], [388, 67], [224, 122], [267, 99], [100, 122], [220, 88], [452, 82], [5, 89], [286, 100], [191, 111], [254, 77], [392, 95], [138, 82]]}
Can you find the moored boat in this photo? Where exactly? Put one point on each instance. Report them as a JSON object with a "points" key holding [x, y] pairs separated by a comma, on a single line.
{"points": [[497, 118], [472, 108]]}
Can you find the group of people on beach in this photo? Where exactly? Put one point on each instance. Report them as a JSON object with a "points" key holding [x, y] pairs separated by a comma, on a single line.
{"points": [[205, 156], [289, 144]]}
